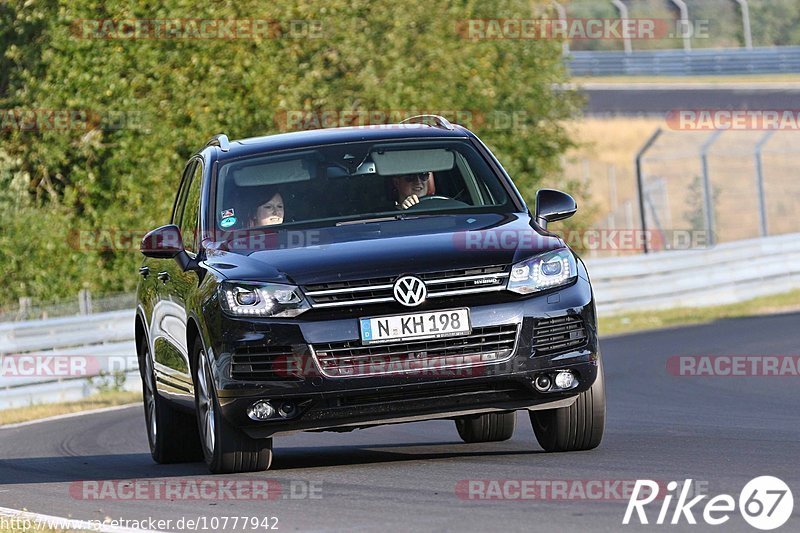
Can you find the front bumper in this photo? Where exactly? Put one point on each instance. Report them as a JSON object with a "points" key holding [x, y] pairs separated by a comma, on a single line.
{"points": [[343, 403]]}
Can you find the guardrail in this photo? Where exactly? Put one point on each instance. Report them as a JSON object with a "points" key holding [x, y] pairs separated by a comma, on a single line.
{"points": [[54, 360], [773, 60], [727, 273]]}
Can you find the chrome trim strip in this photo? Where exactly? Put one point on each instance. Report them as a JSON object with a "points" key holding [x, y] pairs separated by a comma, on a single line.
{"points": [[333, 351], [354, 302], [437, 367], [350, 289], [466, 278], [442, 294]]}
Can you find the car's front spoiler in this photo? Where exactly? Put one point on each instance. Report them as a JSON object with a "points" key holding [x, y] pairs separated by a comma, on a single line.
{"points": [[390, 405]]}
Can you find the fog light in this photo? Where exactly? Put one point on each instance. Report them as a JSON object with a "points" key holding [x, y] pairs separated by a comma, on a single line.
{"points": [[564, 379], [261, 410], [542, 382], [286, 410]]}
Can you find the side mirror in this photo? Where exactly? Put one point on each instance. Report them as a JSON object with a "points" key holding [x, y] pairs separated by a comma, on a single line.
{"points": [[166, 243], [163, 243], [552, 205]]}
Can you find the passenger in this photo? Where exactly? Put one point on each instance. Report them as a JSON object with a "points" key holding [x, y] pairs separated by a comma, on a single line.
{"points": [[410, 188], [270, 212]]}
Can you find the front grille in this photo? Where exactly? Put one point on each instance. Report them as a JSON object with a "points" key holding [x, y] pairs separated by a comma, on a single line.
{"points": [[265, 363], [379, 290], [489, 344], [557, 335]]}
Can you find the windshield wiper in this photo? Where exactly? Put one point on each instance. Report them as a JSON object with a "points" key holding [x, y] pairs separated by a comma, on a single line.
{"points": [[370, 220]]}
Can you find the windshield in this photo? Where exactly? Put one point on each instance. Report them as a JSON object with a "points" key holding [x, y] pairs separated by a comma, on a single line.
{"points": [[356, 181]]}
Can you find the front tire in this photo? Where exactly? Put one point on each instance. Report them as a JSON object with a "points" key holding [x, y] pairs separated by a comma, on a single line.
{"points": [[577, 427], [489, 427], [171, 433], [226, 449]]}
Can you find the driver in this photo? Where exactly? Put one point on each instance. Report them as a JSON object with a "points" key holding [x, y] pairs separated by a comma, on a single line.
{"points": [[270, 212], [410, 188]]}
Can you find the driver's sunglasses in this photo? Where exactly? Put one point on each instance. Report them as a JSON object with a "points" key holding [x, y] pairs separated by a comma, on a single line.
{"points": [[421, 176]]}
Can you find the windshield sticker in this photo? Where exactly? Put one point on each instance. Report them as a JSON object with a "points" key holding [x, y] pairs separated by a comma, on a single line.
{"points": [[227, 222], [225, 213]]}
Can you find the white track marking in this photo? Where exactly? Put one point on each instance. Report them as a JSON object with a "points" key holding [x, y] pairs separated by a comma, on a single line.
{"points": [[70, 415]]}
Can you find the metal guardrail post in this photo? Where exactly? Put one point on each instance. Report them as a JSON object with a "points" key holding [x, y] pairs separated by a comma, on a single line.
{"points": [[562, 15], [85, 302], [748, 36], [640, 180], [687, 36], [623, 14], [762, 199], [708, 194]]}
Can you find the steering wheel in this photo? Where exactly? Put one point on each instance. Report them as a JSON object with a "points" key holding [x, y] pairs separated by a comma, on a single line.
{"points": [[434, 197]]}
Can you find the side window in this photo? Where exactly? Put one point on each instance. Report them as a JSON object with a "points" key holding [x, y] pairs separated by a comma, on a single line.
{"points": [[191, 211], [180, 199]]}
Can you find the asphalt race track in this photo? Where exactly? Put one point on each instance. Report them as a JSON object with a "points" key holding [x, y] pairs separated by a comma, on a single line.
{"points": [[719, 431], [606, 99]]}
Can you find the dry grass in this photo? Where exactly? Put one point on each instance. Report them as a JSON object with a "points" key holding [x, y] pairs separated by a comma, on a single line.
{"points": [[33, 529], [603, 143], [97, 401], [638, 321], [609, 146]]}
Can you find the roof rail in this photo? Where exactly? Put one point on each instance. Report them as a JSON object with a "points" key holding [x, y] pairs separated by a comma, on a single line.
{"points": [[220, 140], [438, 121]]}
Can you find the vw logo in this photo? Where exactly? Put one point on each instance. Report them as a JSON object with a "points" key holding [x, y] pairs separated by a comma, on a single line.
{"points": [[410, 291]]}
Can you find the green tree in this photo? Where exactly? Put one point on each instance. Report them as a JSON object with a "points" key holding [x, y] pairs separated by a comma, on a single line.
{"points": [[151, 102]]}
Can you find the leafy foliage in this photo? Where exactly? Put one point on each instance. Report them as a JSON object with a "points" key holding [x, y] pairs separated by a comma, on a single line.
{"points": [[140, 107]]}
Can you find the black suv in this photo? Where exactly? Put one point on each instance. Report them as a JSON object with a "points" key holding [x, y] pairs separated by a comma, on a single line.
{"points": [[344, 278]]}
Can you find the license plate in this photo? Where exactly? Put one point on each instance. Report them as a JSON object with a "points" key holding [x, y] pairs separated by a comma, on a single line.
{"points": [[433, 325]]}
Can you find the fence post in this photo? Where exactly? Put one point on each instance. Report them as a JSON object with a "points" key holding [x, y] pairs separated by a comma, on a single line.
{"points": [[686, 27], [562, 15], [25, 304], [623, 14], [708, 193], [85, 302], [640, 181], [748, 35], [762, 200]]}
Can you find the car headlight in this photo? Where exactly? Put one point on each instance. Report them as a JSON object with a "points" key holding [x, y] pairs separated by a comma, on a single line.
{"points": [[262, 299], [543, 272]]}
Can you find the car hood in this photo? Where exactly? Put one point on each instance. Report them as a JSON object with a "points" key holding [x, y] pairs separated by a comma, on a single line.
{"points": [[381, 249]]}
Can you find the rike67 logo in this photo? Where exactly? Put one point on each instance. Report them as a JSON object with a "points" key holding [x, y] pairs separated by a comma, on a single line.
{"points": [[765, 503]]}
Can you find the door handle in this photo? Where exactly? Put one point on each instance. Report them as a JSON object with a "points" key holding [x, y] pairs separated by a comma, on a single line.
{"points": [[144, 271], [163, 276]]}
